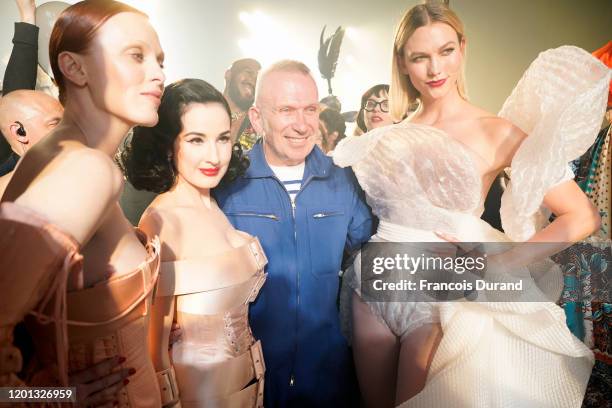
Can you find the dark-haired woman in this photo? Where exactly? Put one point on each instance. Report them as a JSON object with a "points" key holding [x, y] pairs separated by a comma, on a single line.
{"points": [[210, 272], [374, 108], [66, 247]]}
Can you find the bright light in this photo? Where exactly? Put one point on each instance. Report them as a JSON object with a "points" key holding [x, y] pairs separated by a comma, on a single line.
{"points": [[352, 33], [255, 20], [270, 40], [243, 44], [148, 7], [270, 37], [244, 17]]}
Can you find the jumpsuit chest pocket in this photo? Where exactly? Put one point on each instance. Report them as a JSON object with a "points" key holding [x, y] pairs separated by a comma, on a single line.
{"points": [[264, 223], [327, 229]]}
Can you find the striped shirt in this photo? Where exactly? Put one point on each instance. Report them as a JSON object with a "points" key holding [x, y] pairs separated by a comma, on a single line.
{"points": [[291, 177]]}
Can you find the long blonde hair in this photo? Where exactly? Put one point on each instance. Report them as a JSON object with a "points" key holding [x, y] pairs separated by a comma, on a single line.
{"points": [[402, 94]]}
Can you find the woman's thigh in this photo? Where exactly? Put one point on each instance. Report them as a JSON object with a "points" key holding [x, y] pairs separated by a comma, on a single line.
{"points": [[376, 352]]}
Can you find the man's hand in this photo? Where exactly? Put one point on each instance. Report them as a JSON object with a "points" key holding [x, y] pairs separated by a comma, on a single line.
{"points": [[98, 385], [27, 11]]}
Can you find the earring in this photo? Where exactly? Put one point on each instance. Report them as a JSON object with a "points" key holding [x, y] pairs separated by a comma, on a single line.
{"points": [[22, 133], [20, 130]]}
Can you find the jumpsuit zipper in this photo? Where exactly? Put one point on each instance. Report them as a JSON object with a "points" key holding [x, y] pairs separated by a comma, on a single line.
{"points": [[292, 380]]}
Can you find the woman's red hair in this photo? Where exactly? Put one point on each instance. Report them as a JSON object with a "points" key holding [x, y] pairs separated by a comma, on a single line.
{"points": [[76, 28]]}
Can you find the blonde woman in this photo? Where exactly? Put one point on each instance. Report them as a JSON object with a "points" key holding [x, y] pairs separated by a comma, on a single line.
{"points": [[427, 177]]}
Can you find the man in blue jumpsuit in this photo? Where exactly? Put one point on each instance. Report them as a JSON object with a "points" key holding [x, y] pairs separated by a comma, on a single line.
{"points": [[306, 211]]}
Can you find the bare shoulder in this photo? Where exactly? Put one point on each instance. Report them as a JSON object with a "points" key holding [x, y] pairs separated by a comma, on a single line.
{"points": [[74, 189], [504, 136], [99, 168], [91, 175], [503, 129], [489, 125], [159, 217]]}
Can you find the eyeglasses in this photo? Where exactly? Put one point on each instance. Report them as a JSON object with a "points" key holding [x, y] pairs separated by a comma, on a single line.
{"points": [[371, 104]]}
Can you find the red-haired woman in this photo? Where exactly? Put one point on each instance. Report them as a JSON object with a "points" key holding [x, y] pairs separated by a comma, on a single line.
{"points": [[64, 238]]}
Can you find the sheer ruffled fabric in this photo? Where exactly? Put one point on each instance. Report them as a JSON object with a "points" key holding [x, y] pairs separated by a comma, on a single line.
{"points": [[558, 103], [418, 180]]}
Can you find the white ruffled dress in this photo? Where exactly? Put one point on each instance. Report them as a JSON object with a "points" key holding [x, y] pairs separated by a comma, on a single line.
{"points": [[418, 180]]}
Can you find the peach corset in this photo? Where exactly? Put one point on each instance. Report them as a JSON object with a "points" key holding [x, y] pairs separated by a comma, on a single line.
{"points": [[36, 259], [217, 362], [108, 319]]}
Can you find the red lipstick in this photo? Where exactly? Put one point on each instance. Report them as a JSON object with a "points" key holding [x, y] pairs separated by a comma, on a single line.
{"points": [[436, 84], [212, 172]]}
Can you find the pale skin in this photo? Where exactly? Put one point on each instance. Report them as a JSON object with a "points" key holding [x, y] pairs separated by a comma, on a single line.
{"points": [[113, 87], [433, 54], [27, 11], [377, 118], [38, 112], [286, 114], [186, 218]]}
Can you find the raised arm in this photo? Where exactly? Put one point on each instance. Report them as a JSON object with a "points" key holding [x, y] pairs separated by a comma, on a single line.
{"points": [[21, 68], [20, 71]]}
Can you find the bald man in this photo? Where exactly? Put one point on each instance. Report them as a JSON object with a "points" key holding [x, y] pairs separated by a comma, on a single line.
{"points": [[25, 118], [305, 211]]}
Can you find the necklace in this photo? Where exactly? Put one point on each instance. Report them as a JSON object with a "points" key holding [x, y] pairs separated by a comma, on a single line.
{"points": [[237, 115]]}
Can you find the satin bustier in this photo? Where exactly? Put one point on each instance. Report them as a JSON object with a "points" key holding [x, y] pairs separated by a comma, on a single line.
{"points": [[108, 319], [36, 259], [217, 362]]}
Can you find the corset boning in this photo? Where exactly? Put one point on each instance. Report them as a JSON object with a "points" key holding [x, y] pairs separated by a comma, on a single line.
{"points": [[212, 338], [107, 320], [217, 362]]}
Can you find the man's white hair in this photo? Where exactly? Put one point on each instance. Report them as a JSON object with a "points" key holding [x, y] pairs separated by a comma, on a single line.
{"points": [[280, 66]]}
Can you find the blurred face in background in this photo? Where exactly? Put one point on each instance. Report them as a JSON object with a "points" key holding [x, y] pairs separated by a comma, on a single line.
{"points": [[241, 84], [376, 111], [32, 113]]}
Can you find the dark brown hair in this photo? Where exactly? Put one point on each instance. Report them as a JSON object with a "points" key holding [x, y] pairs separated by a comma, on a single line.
{"points": [[147, 160], [376, 90]]}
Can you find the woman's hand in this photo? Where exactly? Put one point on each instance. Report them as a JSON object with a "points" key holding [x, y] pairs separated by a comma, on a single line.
{"points": [[176, 333], [98, 385], [27, 11]]}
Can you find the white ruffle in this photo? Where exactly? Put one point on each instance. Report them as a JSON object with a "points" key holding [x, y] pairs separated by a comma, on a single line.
{"points": [[505, 355], [416, 176], [559, 103]]}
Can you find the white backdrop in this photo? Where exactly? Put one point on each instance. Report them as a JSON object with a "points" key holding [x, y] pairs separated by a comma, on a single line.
{"points": [[202, 37]]}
